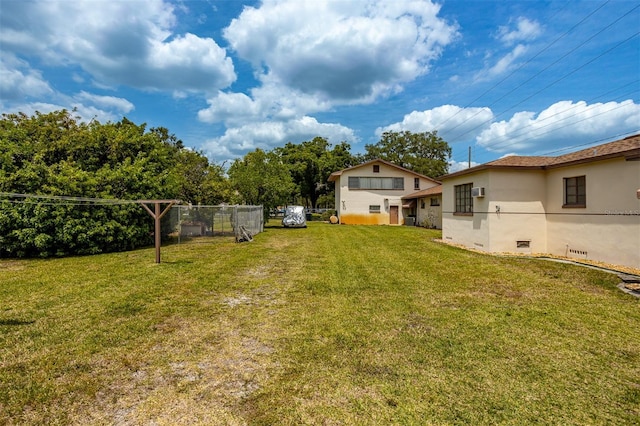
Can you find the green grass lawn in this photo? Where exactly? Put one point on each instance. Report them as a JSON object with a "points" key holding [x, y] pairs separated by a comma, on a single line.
{"points": [[325, 325]]}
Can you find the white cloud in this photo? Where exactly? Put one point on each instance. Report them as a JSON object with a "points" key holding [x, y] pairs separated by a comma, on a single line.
{"points": [[108, 102], [230, 108], [348, 52], [268, 102], [18, 80], [516, 39], [567, 122], [448, 120], [84, 112], [525, 30], [86, 106], [118, 43], [504, 64], [268, 134], [456, 166]]}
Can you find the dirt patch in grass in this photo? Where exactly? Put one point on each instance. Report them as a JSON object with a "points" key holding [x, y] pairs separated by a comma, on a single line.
{"points": [[195, 370], [11, 265]]}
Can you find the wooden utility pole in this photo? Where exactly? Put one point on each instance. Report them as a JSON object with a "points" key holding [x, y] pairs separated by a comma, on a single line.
{"points": [[156, 214]]}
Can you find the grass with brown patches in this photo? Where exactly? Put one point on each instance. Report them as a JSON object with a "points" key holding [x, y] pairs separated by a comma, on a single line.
{"points": [[324, 325]]}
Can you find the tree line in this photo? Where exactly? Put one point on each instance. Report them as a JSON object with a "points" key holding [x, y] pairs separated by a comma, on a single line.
{"points": [[58, 154]]}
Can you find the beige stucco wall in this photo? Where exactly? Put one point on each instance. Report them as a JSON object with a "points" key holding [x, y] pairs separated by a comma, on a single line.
{"points": [[470, 231], [512, 210], [516, 211], [530, 202], [353, 205], [432, 214], [608, 228]]}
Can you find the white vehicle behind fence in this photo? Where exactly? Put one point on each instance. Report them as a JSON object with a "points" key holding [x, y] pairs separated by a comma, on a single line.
{"points": [[294, 217]]}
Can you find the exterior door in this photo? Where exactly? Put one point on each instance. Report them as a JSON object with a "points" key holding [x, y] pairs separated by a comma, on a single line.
{"points": [[393, 215]]}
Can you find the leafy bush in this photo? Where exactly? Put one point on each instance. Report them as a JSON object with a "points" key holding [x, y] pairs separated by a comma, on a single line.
{"points": [[326, 215], [55, 154]]}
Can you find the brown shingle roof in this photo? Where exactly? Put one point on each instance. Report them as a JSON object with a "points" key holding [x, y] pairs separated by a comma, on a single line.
{"points": [[435, 190], [628, 147], [520, 161]]}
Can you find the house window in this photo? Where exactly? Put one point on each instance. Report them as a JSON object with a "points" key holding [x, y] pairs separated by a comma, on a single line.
{"points": [[354, 182], [416, 183], [422, 205], [376, 168], [464, 200], [374, 208], [435, 201], [575, 192], [375, 183]]}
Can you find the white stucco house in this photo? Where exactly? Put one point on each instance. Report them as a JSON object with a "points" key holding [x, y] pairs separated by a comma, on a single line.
{"points": [[585, 204], [426, 205], [372, 193]]}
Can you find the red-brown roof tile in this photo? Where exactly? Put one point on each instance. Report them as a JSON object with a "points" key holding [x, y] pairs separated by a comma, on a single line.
{"points": [[435, 190], [628, 147]]}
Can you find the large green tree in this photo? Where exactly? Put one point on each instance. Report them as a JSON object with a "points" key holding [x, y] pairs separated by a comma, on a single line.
{"points": [[261, 178], [310, 164], [425, 153], [198, 181], [57, 154]]}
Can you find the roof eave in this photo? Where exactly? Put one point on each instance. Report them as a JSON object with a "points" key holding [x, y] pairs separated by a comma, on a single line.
{"points": [[483, 167]]}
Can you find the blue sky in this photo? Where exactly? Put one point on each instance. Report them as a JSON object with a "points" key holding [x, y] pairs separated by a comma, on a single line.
{"points": [[227, 77]]}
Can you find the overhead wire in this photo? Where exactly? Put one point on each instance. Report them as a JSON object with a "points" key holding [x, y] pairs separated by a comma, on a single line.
{"points": [[536, 127], [544, 49], [523, 129], [586, 144], [553, 83], [571, 148], [563, 57], [545, 69]]}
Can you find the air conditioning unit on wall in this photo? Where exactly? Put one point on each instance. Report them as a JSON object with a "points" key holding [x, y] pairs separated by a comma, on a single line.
{"points": [[477, 192]]}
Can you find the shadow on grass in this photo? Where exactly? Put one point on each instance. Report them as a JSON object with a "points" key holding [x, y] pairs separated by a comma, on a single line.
{"points": [[15, 322], [178, 262]]}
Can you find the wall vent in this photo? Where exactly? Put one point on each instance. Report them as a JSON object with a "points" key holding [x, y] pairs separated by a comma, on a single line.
{"points": [[523, 244], [578, 252]]}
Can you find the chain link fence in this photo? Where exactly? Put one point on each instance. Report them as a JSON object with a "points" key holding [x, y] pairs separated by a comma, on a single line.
{"points": [[242, 222]]}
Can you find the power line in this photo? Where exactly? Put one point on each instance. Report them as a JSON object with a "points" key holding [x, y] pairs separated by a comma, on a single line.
{"points": [[618, 19], [544, 49], [586, 144], [549, 66], [552, 83], [574, 106], [502, 145], [570, 148]]}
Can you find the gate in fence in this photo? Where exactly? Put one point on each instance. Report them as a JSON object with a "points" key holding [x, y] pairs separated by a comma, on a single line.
{"points": [[199, 221]]}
